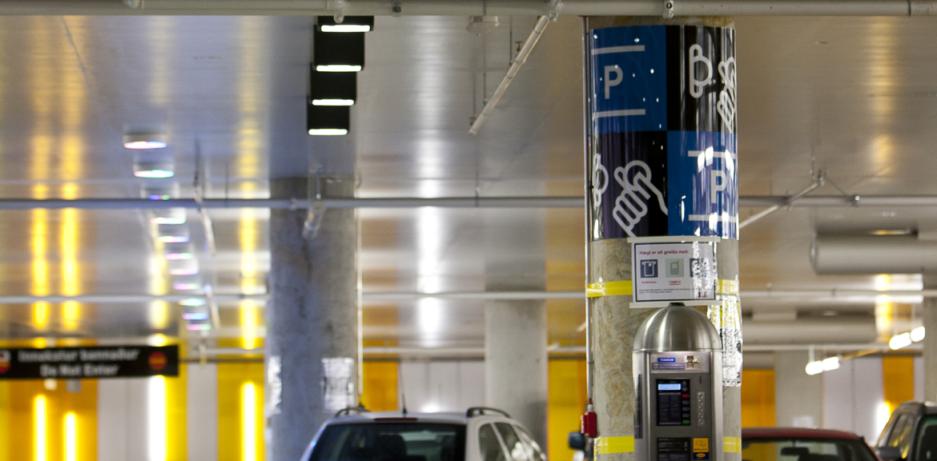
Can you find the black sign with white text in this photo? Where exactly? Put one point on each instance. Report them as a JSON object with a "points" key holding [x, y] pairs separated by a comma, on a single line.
{"points": [[96, 362]]}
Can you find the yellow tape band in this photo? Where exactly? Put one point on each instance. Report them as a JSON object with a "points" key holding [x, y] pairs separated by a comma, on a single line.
{"points": [[610, 288], [731, 444], [624, 288], [728, 287], [614, 445]]}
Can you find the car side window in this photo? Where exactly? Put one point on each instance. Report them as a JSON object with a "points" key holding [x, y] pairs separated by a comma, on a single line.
{"points": [[901, 434], [536, 454], [517, 450], [489, 445], [882, 440]]}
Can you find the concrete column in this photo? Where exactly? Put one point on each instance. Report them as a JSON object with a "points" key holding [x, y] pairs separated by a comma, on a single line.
{"points": [[930, 341], [661, 162], [516, 331], [516, 362], [311, 341], [613, 328], [798, 396]]}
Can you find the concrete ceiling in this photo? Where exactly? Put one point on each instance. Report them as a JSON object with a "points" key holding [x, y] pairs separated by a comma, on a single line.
{"points": [[852, 96]]}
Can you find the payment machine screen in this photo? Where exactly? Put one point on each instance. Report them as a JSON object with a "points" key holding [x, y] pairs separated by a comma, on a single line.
{"points": [[673, 402]]}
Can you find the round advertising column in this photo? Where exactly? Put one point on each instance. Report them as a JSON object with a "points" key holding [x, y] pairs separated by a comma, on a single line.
{"points": [[661, 162]]}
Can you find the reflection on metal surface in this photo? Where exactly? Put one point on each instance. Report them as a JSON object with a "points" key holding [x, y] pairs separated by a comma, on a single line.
{"points": [[248, 421], [156, 421], [40, 154], [429, 247], [248, 161], [159, 285], [70, 424], [40, 428]]}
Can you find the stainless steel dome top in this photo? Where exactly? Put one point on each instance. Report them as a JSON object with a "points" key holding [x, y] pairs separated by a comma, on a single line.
{"points": [[676, 328]]}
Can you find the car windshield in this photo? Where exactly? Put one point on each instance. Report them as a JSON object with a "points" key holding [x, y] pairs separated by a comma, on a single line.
{"points": [[391, 442], [805, 450]]}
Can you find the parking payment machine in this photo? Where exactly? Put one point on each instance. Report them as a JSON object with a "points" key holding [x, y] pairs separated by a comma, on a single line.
{"points": [[678, 381]]}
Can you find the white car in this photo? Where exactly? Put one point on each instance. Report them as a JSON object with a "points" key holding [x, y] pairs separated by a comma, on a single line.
{"points": [[479, 434]]}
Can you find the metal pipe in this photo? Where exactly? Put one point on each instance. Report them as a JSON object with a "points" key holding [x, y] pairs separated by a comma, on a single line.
{"points": [[815, 331], [834, 295], [835, 254], [569, 202], [856, 200], [539, 28], [472, 7], [127, 298], [587, 201], [292, 203], [479, 352], [817, 182]]}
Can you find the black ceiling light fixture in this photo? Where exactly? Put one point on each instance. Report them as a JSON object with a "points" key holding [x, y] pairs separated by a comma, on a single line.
{"points": [[332, 88], [347, 24], [338, 52], [328, 120]]}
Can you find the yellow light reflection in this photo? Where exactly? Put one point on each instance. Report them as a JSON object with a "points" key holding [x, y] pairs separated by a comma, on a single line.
{"points": [[248, 167], [249, 310], [41, 149], [884, 308], [158, 340], [40, 431], [156, 419], [159, 284], [71, 436], [71, 171], [248, 421]]}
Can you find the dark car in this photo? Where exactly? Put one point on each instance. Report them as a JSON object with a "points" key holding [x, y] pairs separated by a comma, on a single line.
{"points": [[910, 434], [799, 444]]}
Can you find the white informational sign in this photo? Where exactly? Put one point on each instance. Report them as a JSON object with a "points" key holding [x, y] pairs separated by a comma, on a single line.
{"points": [[338, 383], [673, 269]]}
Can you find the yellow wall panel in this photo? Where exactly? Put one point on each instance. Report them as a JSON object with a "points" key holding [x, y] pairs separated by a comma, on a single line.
{"points": [[380, 389], [176, 431], [66, 419], [566, 401], [897, 379], [758, 405], [240, 411]]}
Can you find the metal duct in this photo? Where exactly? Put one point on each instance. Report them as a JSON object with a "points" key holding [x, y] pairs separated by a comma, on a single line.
{"points": [[873, 255], [814, 331]]}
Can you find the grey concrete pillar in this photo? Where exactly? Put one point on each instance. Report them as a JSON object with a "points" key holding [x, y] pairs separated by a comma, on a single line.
{"points": [[930, 340], [798, 396], [613, 327], [516, 362], [516, 331], [311, 340]]}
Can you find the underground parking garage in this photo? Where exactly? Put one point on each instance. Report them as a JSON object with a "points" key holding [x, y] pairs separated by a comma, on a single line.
{"points": [[423, 230]]}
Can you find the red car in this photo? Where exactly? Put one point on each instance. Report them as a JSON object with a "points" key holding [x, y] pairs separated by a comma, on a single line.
{"points": [[798, 444]]}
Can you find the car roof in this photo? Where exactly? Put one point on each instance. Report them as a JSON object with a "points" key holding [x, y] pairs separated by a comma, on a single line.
{"points": [[796, 433], [930, 408], [392, 416]]}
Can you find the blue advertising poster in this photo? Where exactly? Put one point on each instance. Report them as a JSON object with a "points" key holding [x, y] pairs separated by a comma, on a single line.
{"points": [[664, 158]]}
